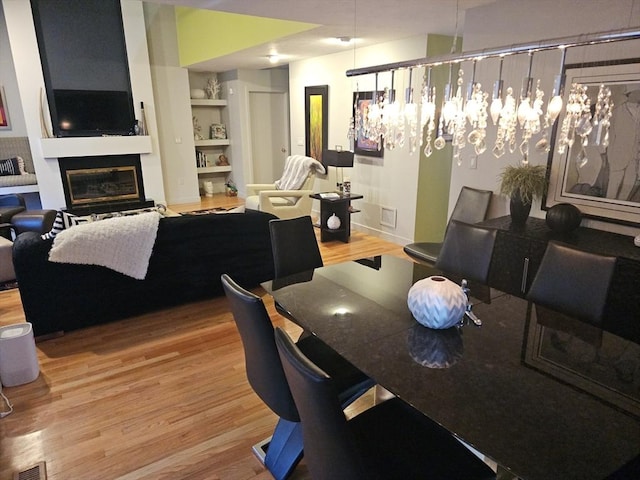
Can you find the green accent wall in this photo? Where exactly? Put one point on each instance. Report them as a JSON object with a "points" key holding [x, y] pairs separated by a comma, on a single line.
{"points": [[206, 34], [434, 174]]}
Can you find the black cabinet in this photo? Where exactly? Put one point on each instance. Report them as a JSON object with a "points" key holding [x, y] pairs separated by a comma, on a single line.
{"points": [[519, 249]]}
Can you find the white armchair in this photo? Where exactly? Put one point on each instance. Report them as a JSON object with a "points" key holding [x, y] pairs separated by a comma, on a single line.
{"points": [[286, 202]]}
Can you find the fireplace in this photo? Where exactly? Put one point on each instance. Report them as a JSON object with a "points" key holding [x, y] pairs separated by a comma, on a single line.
{"points": [[103, 183]]}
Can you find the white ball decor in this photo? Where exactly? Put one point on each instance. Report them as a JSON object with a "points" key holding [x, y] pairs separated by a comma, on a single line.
{"points": [[198, 93], [333, 222], [437, 302]]}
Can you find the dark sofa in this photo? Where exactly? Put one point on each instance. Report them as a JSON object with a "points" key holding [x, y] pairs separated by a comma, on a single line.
{"points": [[189, 255]]}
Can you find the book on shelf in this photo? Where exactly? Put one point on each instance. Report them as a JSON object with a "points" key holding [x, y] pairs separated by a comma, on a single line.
{"points": [[201, 159]]}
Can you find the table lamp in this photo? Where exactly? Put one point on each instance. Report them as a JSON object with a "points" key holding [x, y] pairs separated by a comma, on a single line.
{"points": [[338, 158]]}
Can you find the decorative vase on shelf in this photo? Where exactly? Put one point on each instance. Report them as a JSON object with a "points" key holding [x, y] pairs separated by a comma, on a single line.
{"points": [[563, 218], [519, 209], [333, 222], [198, 94], [437, 302]]}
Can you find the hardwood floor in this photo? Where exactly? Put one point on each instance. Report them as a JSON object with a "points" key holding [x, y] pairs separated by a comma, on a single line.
{"points": [[158, 396]]}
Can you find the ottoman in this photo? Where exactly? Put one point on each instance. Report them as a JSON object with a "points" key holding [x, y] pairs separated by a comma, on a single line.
{"points": [[6, 260]]}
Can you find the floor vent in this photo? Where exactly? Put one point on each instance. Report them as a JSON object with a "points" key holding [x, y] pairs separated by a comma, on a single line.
{"points": [[37, 472]]}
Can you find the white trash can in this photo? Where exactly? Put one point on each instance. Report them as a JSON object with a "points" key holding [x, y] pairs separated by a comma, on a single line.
{"points": [[18, 356]]}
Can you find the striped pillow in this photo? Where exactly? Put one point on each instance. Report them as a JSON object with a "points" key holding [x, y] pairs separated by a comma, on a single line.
{"points": [[63, 221], [12, 166]]}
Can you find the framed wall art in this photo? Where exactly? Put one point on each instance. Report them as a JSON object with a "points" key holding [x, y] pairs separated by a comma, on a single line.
{"points": [[316, 117], [363, 145], [600, 177], [4, 111]]}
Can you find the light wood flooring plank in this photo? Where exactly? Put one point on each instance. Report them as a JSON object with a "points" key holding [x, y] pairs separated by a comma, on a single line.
{"points": [[158, 396]]}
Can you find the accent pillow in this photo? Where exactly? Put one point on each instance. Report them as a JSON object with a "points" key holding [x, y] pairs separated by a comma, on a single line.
{"points": [[66, 220], [12, 166], [63, 221]]}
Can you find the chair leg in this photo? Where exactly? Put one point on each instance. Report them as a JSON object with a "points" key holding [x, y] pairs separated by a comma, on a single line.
{"points": [[283, 450]]}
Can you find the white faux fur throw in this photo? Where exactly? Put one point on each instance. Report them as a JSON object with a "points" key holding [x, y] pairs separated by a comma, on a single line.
{"points": [[296, 171], [123, 244]]}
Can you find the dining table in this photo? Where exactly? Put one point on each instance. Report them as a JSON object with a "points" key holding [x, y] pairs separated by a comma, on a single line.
{"points": [[539, 393]]}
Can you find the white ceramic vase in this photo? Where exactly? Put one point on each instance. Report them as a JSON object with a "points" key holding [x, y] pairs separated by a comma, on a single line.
{"points": [[333, 222], [437, 302], [198, 93]]}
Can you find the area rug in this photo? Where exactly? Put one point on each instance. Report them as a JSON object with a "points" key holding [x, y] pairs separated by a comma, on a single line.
{"points": [[207, 211], [10, 285]]}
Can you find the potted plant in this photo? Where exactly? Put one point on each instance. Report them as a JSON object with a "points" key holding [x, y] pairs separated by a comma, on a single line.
{"points": [[523, 184]]}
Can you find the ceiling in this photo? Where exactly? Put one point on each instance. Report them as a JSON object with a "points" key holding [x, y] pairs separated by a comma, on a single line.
{"points": [[370, 21]]}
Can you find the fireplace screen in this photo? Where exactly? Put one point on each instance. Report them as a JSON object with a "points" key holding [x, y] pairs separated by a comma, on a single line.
{"points": [[92, 185]]}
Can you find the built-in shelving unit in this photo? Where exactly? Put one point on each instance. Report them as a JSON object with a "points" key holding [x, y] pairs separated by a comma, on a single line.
{"points": [[208, 150], [222, 169]]}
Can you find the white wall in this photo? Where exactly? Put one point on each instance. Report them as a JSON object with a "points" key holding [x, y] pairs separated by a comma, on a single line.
{"points": [[30, 79], [171, 91], [385, 182]]}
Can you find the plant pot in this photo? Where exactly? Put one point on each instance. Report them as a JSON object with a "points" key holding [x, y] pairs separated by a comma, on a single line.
{"points": [[519, 210]]}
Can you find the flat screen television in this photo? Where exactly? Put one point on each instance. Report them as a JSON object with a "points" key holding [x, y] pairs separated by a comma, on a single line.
{"points": [[92, 113]]}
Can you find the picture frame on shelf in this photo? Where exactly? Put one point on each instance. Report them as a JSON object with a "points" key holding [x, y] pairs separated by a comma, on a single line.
{"points": [[361, 144], [602, 181], [218, 131], [4, 111], [316, 120]]}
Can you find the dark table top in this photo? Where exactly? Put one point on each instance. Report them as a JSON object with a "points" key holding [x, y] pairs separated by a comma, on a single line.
{"points": [[541, 401]]}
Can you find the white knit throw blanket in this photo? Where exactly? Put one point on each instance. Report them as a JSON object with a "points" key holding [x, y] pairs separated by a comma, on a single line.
{"points": [[123, 244], [296, 171]]}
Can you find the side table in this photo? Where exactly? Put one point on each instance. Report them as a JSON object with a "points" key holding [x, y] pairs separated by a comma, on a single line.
{"points": [[340, 204]]}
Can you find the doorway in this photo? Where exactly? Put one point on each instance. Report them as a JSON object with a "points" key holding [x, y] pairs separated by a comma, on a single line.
{"points": [[269, 117]]}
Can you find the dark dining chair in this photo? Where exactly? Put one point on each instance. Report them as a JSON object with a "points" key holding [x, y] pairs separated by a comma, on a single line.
{"points": [[265, 375], [471, 207], [467, 251], [573, 282], [390, 440], [294, 246]]}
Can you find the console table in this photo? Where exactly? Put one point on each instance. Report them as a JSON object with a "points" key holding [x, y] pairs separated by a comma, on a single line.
{"points": [[340, 204], [519, 249]]}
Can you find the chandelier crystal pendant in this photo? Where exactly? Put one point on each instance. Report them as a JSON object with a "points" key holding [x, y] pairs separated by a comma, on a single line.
{"points": [[458, 124], [496, 101], [428, 113], [411, 117], [602, 116], [506, 135], [575, 119], [476, 113]]}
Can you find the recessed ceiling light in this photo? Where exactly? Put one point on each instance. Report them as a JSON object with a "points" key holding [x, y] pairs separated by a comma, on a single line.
{"points": [[273, 58]]}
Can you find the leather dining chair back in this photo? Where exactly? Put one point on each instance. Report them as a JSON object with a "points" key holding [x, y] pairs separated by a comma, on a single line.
{"points": [[266, 376], [471, 207], [390, 440], [294, 245], [573, 282], [467, 251]]}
